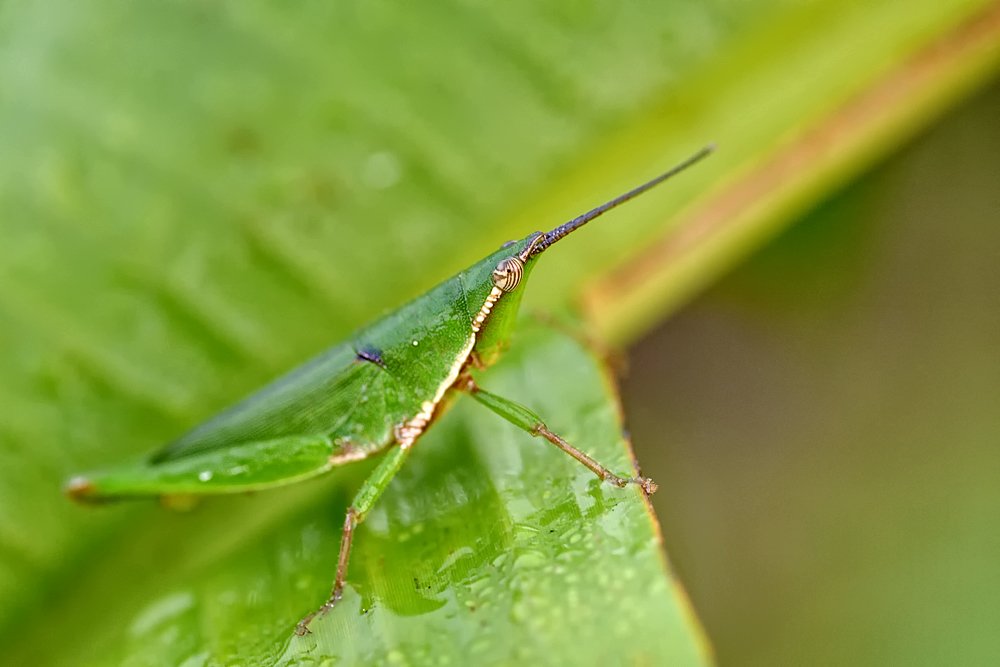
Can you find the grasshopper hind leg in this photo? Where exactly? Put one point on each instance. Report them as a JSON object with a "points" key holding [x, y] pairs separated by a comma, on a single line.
{"points": [[647, 485], [363, 502], [527, 420], [346, 537]]}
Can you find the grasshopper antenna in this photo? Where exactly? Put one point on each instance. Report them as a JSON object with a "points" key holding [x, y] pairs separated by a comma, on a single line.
{"points": [[574, 224]]}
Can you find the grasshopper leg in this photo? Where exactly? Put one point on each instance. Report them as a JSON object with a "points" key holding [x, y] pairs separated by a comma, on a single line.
{"points": [[524, 418], [363, 502]]}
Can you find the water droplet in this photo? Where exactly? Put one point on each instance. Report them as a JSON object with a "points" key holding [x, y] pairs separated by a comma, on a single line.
{"points": [[165, 609], [381, 170], [530, 560], [519, 612], [205, 476], [196, 660], [415, 343]]}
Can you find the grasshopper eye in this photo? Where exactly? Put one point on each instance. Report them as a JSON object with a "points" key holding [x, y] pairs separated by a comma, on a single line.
{"points": [[508, 273]]}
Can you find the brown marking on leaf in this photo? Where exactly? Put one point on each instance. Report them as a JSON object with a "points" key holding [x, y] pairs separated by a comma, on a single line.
{"points": [[832, 141]]}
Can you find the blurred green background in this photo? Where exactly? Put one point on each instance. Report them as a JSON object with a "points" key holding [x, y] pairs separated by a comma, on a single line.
{"points": [[825, 421], [196, 195]]}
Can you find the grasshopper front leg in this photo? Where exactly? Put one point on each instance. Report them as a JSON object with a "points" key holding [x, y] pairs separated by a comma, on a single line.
{"points": [[363, 502], [526, 419]]}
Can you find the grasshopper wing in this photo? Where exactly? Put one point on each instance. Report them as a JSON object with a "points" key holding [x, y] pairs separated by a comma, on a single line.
{"points": [[336, 396], [327, 412], [248, 466]]}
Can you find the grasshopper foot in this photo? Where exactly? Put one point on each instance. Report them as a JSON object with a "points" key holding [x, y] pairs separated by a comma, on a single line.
{"points": [[647, 485], [302, 627]]}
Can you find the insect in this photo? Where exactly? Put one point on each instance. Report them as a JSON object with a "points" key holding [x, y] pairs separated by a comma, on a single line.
{"points": [[375, 393]]}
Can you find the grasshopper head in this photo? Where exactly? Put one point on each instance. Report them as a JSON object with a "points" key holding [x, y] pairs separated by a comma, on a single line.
{"points": [[503, 276], [511, 264], [510, 270]]}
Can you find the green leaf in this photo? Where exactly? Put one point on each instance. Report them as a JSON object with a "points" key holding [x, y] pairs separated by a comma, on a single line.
{"points": [[489, 547], [823, 422], [195, 196]]}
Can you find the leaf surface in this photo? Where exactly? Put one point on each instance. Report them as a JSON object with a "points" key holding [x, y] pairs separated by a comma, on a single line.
{"points": [[490, 547], [196, 196]]}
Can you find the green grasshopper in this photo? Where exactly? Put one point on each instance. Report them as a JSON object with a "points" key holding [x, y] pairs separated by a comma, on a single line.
{"points": [[376, 392]]}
